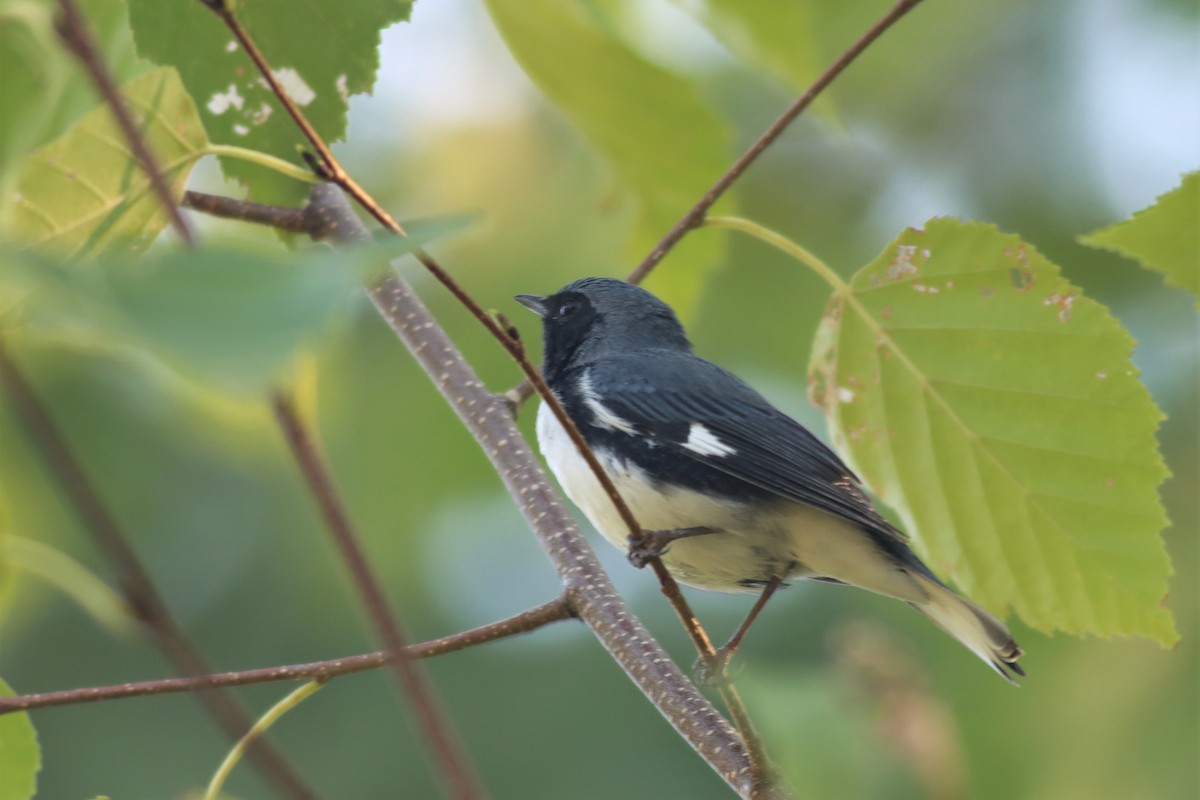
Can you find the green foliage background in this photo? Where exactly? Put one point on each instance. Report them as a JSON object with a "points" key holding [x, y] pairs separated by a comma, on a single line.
{"points": [[961, 111]]}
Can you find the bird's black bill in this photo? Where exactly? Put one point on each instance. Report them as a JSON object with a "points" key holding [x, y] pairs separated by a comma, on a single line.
{"points": [[534, 303]]}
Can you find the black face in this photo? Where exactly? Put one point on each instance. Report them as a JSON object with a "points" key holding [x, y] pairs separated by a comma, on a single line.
{"points": [[569, 318]]}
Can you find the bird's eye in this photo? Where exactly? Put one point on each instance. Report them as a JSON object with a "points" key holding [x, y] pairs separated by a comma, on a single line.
{"points": [[568, 308]]}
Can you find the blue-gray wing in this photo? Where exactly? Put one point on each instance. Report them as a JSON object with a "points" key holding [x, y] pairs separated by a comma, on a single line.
{"points": [[665, 394]]}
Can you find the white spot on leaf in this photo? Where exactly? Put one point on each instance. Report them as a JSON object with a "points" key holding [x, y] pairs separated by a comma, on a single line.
{"points": [[845, 395], [220, 102], [300, 92], [342, 88]]}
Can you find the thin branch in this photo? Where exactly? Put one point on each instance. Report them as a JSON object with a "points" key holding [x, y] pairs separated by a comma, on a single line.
{"points": [[329, 165], [591, 594], [337, 175], [75, 37], [525, 622], [696, 214], [282, 218], [455, 767], [132, 577]]}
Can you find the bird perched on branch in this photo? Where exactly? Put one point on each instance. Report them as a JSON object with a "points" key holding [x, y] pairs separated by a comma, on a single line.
{"points": [[734, 494]]}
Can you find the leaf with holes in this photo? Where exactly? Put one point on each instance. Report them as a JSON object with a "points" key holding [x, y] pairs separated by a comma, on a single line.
{"points": [[322, 53], [664, 143], [996, 409], [1165, 237], [85, 194]]}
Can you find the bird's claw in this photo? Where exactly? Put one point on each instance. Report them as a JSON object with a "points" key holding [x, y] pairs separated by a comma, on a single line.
{"points": [[712, 670], [654, 544]]}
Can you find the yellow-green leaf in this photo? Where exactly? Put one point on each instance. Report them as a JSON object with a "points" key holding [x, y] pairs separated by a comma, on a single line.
{"points": [[662, 140], [1165, 237], [85, 193], [20, 757], [996, 409], [57, 568]]}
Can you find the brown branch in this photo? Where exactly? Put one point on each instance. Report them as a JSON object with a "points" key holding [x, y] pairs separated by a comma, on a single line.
{"points": [[695, 215], [586, 586], [282, 218], [132, 577], [524, 622], [455, 767], [334, 171], [329, 167], [73, 32]]}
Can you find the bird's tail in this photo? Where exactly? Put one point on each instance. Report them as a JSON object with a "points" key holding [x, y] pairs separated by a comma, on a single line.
{"points": [[983, 634]]}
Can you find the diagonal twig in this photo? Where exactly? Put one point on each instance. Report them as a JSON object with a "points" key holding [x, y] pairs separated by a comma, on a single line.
{"points": [[545, 614], [696, 213], [334, 171], [455, 768], [75, 36], [132, 577]]}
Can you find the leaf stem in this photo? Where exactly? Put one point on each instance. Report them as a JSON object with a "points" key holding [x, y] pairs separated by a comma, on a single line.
{"points": [[781, 242], [262, 159], [696, 213], [293, 699]]}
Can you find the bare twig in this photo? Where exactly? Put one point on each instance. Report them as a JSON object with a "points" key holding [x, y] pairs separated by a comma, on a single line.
{"points": [[524, 622], [75, 36], [134, 581], [587, 587], [281, 218], [694, 215], [332, 169], [455, 767]]}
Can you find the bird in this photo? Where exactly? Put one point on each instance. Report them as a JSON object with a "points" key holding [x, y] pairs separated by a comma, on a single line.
{"points": [[736, 496]]}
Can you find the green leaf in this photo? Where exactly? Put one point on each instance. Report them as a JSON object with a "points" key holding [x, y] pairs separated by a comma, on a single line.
{"points": [[20, 757], [663, 142], [1165, 237], [230, 317], [84, 194], [93, 595], [323, 52], [995, 408], [777, 36]]}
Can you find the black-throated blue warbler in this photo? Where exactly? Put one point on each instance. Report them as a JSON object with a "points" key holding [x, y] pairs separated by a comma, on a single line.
{"points": [[746, 496]]}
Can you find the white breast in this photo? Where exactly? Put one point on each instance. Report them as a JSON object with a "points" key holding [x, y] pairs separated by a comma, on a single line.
{"points": [[667, 509]]}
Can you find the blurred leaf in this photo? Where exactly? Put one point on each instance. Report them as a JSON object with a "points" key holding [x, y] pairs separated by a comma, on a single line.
{"points": [[66, 574], [1165, 237], [978, 393], [822, 741], [662, 140], [85, 193], [20, 758], [322, 52], [228, 316], [45, 92], [777, 36]]}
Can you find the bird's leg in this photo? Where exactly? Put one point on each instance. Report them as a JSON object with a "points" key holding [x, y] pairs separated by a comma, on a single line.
{"points": [[710, 670], [655, 543]]}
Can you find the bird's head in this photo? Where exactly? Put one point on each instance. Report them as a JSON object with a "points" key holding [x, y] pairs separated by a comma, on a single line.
{"points": [[593, 317]]}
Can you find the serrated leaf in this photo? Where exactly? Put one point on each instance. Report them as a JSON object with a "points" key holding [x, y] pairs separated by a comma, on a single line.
{"points": [[662, 140], [20, 757], [1164, 237], [995, 408], [323, 53], [84, 193]]}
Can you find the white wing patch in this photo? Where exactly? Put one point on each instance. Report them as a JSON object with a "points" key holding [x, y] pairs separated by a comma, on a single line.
{"points": [[603, 416], [703, 441]]}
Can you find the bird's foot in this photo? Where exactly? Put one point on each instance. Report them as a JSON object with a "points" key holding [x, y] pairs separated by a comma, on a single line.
{"points": [[655, 543], [712, 670]]}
